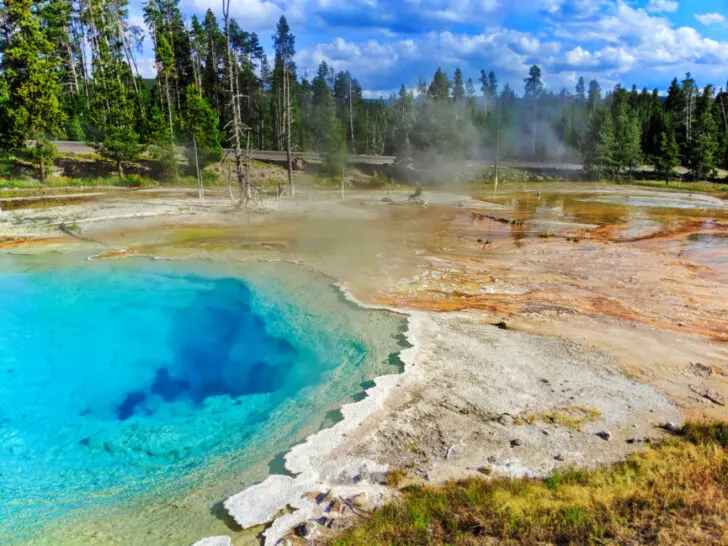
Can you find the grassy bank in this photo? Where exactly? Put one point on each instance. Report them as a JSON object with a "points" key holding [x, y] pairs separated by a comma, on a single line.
{"points": [[703, 187], [131, 181], [669, 494]]}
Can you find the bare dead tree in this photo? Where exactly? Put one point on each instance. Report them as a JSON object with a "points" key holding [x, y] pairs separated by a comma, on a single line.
{"points": [[287, 98], [200, 186], [497, 146], [351, 119], [235, 107], [121, 31]]}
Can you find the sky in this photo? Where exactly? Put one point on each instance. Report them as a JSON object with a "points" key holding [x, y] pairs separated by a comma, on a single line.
{"points": [[386, 43]]}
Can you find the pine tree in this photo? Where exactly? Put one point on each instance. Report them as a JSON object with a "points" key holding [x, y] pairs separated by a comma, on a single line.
{"points": [[347, 95], [323, 107], [215, 54], [32, 109], [115, 106], [405, 114], [284, 44], [458, 89], [484, 89], [669, 155], [702, 150], [533, 88], [595, 95], [492, 85], [627, 131], [600, 144], [201, 126], [606, 147], [439, 90]]}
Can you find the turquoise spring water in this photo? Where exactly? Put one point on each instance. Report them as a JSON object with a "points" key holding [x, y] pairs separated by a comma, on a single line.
{"points": [[118, 379]]}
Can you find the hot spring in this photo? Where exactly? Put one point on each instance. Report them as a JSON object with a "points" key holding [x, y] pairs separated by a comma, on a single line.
{"points": [[136, 395]]}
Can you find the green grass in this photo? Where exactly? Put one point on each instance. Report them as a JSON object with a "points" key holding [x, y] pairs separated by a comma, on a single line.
{"points": [[130, 181], [569, 416], [676, 492], [705, 187], [18, 183]]}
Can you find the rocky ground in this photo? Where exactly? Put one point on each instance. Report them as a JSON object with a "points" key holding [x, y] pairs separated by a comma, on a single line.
{"points": [[551, 325]]}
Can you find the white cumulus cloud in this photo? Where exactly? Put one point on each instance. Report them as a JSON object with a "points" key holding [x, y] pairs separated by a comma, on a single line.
{"points": [[254, 15], [712, 19], [663, 6]]}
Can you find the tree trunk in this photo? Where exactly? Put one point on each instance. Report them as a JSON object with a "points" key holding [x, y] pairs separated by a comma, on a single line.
{"points": [[196, 73], [497, 147], [71, 60], [200, 187], [351, 120], [125, 46], [84, 62], [342, 183], [289, 157], [171, 128], [42, 170], [248, 165], [236, 111], [533, 129], [120, 169]]}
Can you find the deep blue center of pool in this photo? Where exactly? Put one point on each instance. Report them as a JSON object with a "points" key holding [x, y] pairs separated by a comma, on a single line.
{"points": [[218, 346], [113, 379]]}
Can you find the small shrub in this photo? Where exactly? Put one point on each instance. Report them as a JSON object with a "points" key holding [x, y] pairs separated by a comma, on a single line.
{"points": [[135, 181], [396, 476], [380, 180], [210, 177], [706, 433], [187, 181], [19, 183]]}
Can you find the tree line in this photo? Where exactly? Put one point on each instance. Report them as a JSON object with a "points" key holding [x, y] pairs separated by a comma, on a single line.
{"points": [[69, 70]]}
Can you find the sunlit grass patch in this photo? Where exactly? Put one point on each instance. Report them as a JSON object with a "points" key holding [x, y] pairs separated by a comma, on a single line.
{"points": [[128, 181], [708, 187], [568, 416], [673, 493], [18, 184]]}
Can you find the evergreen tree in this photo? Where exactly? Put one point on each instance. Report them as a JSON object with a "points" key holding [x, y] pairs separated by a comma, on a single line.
{"points": [[439, 89], [606, 146], [115, 106], [533, 88], [284, 77], [458, 90], [212, 84], [627, 131], [32, 109], [492, 85], [702, 150], [405, 114], [668, 157], [201, 126], [595, 95], [600, 145]]}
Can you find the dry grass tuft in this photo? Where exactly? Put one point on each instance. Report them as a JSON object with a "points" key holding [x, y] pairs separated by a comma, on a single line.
{"points": [[676, 493], [569, 416]]}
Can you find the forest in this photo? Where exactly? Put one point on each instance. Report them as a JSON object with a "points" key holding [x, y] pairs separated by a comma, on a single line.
{"points": [[68, 71]]}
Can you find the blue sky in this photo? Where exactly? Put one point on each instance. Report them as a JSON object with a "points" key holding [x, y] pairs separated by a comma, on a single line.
{"points": [[389, 42]]}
